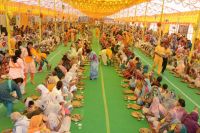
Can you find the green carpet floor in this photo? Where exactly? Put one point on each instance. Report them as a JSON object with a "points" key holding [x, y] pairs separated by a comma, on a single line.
{"points": [[104, 109]]}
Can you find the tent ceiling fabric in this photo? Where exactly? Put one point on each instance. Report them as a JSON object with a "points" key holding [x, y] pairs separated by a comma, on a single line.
{"points": [[102, 8], [116, 8], [92, 8], [155, 6], [50, 5]]}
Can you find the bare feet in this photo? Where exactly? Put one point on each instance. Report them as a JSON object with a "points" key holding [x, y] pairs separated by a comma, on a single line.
{"points": [[39, 71], [195, 109], [48, 67]]}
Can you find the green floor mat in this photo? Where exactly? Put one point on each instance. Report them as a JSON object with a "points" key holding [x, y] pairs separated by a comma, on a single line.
{"points": [[104, 108]]}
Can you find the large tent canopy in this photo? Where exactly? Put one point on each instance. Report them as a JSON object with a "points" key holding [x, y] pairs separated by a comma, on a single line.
{"points": [[102, 8], [91, 8], [154, 7], [185, 11], [49, 4], [175, 11]]}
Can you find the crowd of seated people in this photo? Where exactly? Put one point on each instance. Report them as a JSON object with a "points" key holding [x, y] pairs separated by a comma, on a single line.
{"points": [[181, 62], [164, 111], [51, 110], [20, 38]]}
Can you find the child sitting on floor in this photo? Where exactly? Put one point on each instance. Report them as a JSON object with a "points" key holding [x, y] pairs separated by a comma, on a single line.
{"points": [[51, 82], [157, 82], [31, 109], [132, 83]]}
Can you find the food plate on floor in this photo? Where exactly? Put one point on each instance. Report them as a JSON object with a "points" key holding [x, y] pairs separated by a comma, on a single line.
{"points": [[81, 83], [191, 86], [80, 88], [128, 92], [145, 130], [198, 93], [4, 76], [7, 131], [134, 106], [137, 115], [125, 85], [76, 104], [184, 81], [121, 75], [125, 80], [78, 97], [76, 117], [177, 76], [131, 98], [34, 97]]}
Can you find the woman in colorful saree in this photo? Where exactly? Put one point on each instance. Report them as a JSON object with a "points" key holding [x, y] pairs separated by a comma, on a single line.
{"points": [[154, 112], [93, 64], [16, 65], [179, 109], [16, 70], [191, 121]]}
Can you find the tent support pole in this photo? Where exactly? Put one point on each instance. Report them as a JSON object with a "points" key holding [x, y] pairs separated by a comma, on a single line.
{"points": [[40, 21], [145, 16], [63, 28], [161, 19], [195, 35], [55, 16], [8, 26], [135, 12]]}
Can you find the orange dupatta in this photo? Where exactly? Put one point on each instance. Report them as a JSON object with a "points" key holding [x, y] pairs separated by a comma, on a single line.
{"points": [[36, 124]]}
